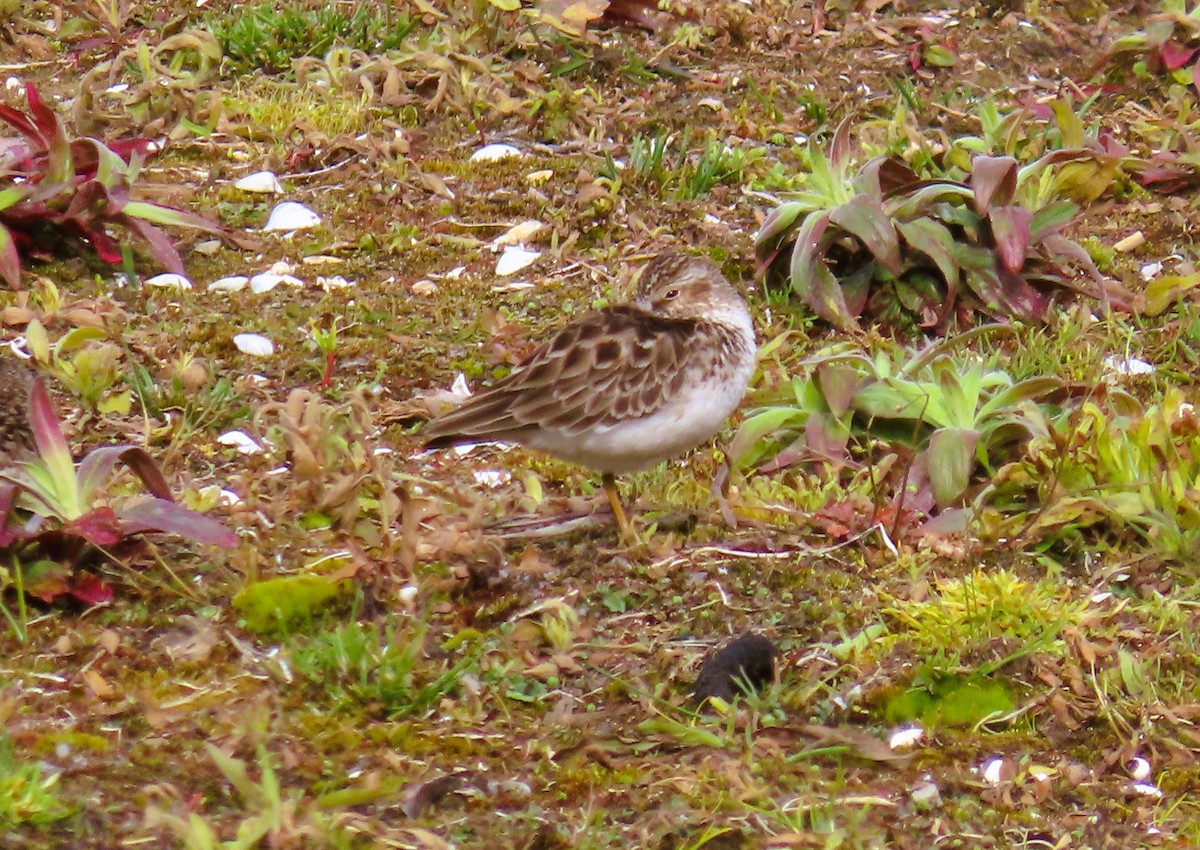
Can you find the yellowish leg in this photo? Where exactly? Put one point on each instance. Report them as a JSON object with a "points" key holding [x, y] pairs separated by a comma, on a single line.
{"points": [[614, 501]]}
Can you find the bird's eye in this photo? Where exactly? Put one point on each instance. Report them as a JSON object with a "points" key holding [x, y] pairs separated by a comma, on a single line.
{"points": [[670, 294]]}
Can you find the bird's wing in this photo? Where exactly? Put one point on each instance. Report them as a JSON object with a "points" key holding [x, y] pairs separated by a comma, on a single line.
{"points": [[617, 364]]}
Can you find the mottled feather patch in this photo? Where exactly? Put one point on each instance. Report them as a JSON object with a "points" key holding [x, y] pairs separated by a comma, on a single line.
{"points": [[608, 352]]}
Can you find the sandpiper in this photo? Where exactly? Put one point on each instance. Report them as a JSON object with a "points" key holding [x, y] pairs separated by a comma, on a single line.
{"points": [[626, 387]]}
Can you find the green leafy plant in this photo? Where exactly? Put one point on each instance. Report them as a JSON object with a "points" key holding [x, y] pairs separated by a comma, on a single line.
{"points": [[272, 817], [58, 512], [54, 189], [363, 664], [267, 37], [1110, 469], [959, 411], [85, 366], [992, 243], [1169, 44], [685, 175], [26, 796]]}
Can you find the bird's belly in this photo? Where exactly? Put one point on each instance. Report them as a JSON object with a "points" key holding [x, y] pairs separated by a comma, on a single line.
{"points": [[639, 443]]}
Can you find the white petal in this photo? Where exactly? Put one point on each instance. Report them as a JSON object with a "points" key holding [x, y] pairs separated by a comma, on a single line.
{"points": [[255, 344], [291, 216], [493, 152], [515, 258], [241, 441], [169, 280], [233, 283], [260, 181]]}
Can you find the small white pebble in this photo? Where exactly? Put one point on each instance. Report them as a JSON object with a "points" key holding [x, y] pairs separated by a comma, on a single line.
{"points": [[424, 287]]}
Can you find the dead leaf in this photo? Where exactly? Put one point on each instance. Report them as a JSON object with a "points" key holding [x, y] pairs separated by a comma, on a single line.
{"points": [[859, 742], [97, 685]]}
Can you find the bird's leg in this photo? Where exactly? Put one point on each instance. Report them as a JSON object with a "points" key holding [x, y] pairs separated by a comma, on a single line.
{"points": [[720, 488], [614, 501]]}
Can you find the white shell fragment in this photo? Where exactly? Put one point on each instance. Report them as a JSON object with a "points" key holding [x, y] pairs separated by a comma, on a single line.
{"points": [[255, 344], [514, 259], [1138, 768], [993, 771], [1150, 270], [907, 737], [424, 287], [926, 795], [1128, 366], [492, 477], [459, 388], [169, 280], [335, 282], [241, 441], [291, 216], [260, 181], [267, 281], [233, 283], [228, 498], [494, 152], [517, 233], [1131, 242], [1147, 789]]}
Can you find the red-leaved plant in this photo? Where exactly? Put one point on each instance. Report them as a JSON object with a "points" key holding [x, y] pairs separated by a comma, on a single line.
{"points": [[58, 512], [53, 187]]}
